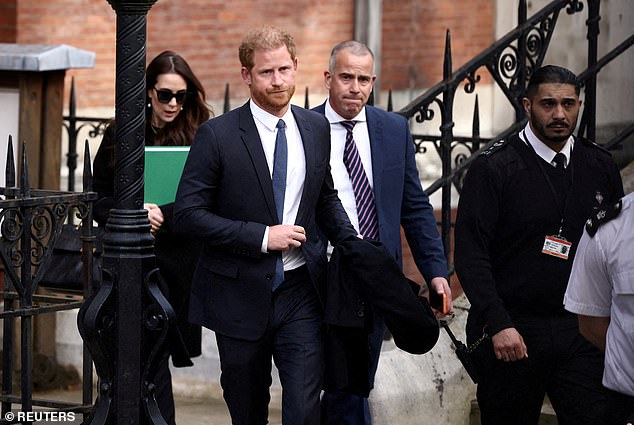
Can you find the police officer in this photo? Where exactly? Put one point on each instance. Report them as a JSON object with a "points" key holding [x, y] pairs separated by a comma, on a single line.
{"points": [[521, 214], [601, 292]]}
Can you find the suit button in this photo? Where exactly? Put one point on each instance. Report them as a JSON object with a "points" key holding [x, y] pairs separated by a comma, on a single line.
{"points": [[268, 276], [361, 308]]}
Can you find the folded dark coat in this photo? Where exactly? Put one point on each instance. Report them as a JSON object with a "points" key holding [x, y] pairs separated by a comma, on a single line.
{"points": [[362, 278]]}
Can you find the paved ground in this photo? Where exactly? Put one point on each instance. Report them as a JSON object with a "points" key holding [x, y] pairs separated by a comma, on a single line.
{"points": [[211, 412], [188, 411]]}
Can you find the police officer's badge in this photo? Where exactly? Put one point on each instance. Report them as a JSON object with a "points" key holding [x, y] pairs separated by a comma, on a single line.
{"points": [[599, 197], [602, 215]]}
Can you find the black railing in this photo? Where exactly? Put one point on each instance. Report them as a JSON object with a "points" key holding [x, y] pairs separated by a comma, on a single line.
{"points": [[31, 222], [510, 62], [74, 126]]}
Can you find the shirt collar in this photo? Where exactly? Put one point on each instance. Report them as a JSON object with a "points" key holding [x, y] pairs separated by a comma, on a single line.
{"points": [[334, 117], [541, 149], [267, 119]]}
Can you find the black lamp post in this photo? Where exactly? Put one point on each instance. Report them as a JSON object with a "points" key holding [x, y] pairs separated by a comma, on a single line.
{"points": [[126, 322]]}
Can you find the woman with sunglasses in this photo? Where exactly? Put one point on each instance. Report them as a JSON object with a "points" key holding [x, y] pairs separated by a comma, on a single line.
{"points": [[175, 108]]}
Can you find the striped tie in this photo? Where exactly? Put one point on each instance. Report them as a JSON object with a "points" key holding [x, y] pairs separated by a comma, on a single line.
{"points": [[364, 197]]}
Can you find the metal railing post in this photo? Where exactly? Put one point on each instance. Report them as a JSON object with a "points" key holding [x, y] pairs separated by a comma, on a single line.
{"points": [[446, 140], [126, 323], [71, 156], [226, 106], [521, 59], [590, 108], [8, 324]]}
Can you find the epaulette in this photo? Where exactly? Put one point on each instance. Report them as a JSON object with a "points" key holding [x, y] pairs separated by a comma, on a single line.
{"points": [[592, 144], [602, 216], [494, 147]]}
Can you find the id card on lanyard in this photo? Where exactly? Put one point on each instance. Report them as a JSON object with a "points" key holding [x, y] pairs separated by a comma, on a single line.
{"points": [[554, 245], [557, 246]]}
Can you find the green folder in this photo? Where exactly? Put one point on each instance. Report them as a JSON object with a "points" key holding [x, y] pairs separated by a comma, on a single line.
{"points": [[163, 169]]}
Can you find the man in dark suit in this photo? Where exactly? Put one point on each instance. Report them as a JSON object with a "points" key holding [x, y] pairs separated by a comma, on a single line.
{"points": [[255, 187], [385, 149]]}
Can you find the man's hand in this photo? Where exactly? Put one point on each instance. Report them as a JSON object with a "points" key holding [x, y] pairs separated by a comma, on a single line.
{"points": [[441, 286], [283, 237], [155, 215], [508, 345]]}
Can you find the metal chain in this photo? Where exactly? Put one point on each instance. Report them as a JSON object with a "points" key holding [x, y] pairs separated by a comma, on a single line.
{"points": [[474, 346], [444, 322]]}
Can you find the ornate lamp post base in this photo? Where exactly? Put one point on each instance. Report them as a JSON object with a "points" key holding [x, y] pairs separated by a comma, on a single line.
{"points": [[126, 323]]}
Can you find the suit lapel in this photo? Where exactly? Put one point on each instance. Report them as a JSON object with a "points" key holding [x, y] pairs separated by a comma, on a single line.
{"points": [[375, 131], [308, 142], [251, 139]]}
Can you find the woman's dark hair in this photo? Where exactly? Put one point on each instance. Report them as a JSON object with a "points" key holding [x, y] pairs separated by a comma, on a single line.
{"points": [[179, 132]]}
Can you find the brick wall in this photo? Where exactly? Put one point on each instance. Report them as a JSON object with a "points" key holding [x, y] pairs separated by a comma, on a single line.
{"points": [[207, 34], [8, 21], [85, 24], [414, 38]]}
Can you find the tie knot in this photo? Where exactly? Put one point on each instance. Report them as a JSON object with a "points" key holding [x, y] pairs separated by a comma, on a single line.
{"points": [[560, 161], [281, 124], [348, 125]]}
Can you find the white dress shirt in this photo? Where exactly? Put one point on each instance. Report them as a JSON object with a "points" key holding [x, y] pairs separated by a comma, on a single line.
{"points": [[602, 285], [542, 150], [340, 175], [295, 172]]}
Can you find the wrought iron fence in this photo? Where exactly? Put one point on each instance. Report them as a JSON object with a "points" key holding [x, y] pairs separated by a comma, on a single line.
{"points": [[73, 125], [510, 62], [31, 222]]}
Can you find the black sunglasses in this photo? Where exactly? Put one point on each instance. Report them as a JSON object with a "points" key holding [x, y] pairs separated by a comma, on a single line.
{"points": [[165, 95]]}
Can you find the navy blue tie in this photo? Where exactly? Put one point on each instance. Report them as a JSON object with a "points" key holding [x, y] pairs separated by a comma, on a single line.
{"points": [[280, 160], [560, 161]]}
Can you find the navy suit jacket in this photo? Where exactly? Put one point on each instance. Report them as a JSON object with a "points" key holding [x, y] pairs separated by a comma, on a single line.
{"points": [[225, 196], [400, 199]]}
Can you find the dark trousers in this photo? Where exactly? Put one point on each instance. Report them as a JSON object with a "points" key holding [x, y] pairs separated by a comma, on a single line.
{"points": [[344, 408], [560, 363], [620, 410], [294, 340]]}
